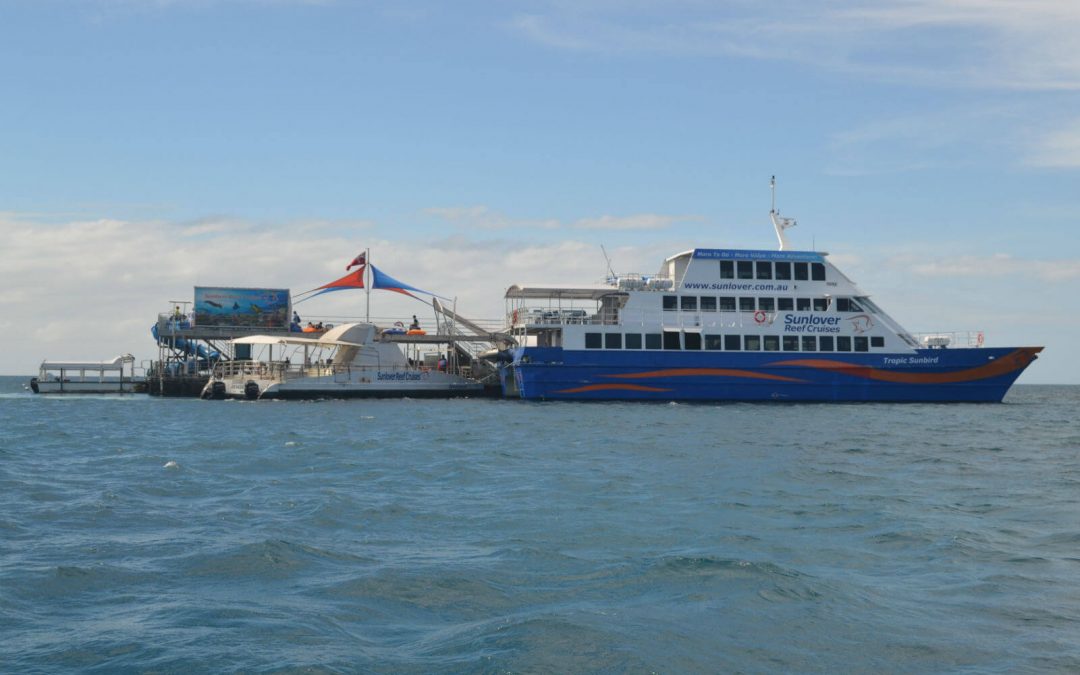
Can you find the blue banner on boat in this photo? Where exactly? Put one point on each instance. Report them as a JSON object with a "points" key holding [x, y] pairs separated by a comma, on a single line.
{"points": [[262, 307], [730, 254]]}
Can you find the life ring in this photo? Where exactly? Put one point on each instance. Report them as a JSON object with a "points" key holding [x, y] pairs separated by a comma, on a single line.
{"points": [[760, 316]]}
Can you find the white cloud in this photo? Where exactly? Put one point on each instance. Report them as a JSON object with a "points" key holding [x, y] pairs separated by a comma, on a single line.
{"points": [[1013, 44], [1059, 149], [90, 289], [1000, 265], [481, 217]]}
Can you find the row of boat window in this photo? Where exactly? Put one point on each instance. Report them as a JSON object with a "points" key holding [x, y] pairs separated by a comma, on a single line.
{"points": [[678, 341], [766, 269], [709, 303]]}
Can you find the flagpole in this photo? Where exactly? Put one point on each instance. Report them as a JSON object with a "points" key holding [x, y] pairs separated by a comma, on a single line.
{"points": [[367, 286]]}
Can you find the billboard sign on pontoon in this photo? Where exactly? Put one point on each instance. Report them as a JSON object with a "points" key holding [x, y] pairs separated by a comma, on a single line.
{"points": [[262, 307]]}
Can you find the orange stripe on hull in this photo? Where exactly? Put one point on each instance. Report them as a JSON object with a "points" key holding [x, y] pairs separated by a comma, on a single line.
{"points": [[1013, 361], [610, 387], [697, 372]]}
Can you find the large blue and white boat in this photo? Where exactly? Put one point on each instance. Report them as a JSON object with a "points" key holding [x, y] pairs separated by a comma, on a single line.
{"points": [[738, 325]]}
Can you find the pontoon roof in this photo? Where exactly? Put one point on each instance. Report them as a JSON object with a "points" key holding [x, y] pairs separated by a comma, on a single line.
{"points": [[112, 364], [276, 340], [564, 292]]}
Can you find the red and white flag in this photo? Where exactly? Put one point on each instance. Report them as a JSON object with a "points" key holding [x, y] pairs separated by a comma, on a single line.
{"points": [[358, 260]]}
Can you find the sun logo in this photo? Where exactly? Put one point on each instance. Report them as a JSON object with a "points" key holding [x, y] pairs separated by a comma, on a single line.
{"points": [[860, 323]]}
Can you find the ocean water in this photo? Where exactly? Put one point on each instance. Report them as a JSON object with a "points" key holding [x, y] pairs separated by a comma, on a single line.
{"points": [[177, 536]]}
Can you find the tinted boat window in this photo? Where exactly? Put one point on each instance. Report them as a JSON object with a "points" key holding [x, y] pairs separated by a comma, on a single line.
{"points": [[671, 302], [652, 341], [671, 340], [593, 341], [732, 343], [772, 343], [692, 341], [745, 269], [785, 304], [877, 341], [752, 342], [809, 343], [767, 304], [843, 343], [633, 340], [825, 343], [862, 344], [714, 342], [746, 304], [821, 304], [783, 270], [817, 271], [791, 343], [764, 269], [727, 269], [727, 304], [689, 303], [708, 303], [613, 340], [802, 304], [801, 272]]}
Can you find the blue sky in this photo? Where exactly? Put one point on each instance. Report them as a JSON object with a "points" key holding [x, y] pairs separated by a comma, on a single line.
{"points": [[146, 146]]}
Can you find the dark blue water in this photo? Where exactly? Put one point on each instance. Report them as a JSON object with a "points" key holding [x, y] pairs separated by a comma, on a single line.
{"points": [[141, 534]]}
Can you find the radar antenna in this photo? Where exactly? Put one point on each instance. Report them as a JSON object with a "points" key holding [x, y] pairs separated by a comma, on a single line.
{"points": [[779, 223]]}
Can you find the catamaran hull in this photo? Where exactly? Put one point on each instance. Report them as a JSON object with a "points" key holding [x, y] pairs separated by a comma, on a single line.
{"points": [[928, 375]]}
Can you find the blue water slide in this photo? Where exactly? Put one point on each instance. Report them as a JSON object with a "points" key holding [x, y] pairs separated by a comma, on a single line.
{"points": [[187, 346]]}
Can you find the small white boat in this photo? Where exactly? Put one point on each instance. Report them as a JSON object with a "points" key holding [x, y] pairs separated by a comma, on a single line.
{"points": [[347, 361], [89, 377]]}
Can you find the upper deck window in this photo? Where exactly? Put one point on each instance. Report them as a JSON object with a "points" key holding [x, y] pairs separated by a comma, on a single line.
{"points": [[766, 304], [745, 269], [764, 269], [727, 269], [689, 303], [783, 270], [785, 304], [746, 304], [802, 271], [708, 303], [671, 302], [817, 271], [821, 304], [802, 304], [727, 304]]}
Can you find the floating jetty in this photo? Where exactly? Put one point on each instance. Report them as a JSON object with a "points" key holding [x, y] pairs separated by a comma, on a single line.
{"points": [[193, 346]]}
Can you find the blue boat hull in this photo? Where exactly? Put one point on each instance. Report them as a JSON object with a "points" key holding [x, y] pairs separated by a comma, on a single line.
{"points": [[929, 375]]}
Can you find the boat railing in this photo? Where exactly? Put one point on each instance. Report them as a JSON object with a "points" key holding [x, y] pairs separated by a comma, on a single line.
{"points": [[946, 339], [646, 319]]}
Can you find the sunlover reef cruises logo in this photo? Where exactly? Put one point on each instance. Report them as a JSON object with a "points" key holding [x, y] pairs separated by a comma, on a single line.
{"points": [[401, 375], [811, 324]]}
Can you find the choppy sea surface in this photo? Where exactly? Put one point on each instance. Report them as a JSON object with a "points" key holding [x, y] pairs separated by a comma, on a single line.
{"points": [[148, 535]]}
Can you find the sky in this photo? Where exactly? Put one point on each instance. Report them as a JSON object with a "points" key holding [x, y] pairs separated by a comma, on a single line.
{"points": [[932, 147]]}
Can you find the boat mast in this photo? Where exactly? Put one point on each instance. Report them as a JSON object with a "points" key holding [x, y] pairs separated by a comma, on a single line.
{"points": [[779, 224]]}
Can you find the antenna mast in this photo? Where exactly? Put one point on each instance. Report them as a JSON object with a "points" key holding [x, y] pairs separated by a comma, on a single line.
{"points": [[779, 224], [607, 259]]}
